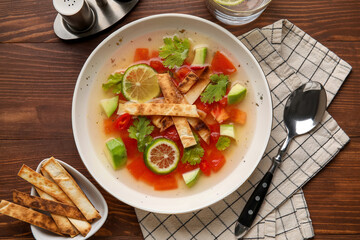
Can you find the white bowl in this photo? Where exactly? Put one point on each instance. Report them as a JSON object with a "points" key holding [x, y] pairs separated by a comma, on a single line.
{"points": [[93, 195], [163, 203]]}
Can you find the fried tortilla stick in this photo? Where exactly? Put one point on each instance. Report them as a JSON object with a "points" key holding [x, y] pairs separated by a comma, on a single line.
{"points": [[163, 109], [71, 188], [161, 122], [49, 187], [43, 184], [199, 87], [58, 208], [82, 226], [172, 95], [185, 85], [62, 222], [28, 215]]}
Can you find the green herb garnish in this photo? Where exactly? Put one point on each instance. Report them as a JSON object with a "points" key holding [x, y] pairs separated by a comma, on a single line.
{"points": [[114, 82], [193, 155], [216, 90], [175, 51], [223, 143], [140, 131]]}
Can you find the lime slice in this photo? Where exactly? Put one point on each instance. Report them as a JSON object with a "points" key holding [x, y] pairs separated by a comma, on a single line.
{"points": [[162, 156], [229, 2], [140, 83]]}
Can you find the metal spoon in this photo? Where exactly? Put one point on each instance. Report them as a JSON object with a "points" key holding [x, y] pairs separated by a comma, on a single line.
{"points": [[304, 109]]}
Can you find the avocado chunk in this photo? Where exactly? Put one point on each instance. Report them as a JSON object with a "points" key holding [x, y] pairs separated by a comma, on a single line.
{"points": [[200, 56], [116, 152], [236, 94], [227, 130], [191, 177], [109, 105]]}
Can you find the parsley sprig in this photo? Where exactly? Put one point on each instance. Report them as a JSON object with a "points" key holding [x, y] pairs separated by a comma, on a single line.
{"points": [[140, 131], [193, 155], [175, 51], [223, 143], [216, 90], [114, 82]]}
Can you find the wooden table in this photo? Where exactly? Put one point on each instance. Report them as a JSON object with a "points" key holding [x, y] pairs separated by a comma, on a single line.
{"points": [[38, 72]]}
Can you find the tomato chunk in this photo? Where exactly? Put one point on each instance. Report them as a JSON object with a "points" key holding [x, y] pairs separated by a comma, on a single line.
{"points": [[182, 72], [213, 157], [214, 133], [205, 167], [154, 54], [217, 160], [157, 65], [166, 182], [172, 134], [121, 97], [131, 147], [141, 54], [223, 102], [137, 167], [156, 133], [139, 171], [203, 106], [236, 115], [221, 64], [185, 167], [219, 113]]}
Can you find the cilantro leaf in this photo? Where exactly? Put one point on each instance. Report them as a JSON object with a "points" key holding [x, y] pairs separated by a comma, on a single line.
{"points": [[175, 51], [216, 90], [114, 82], [193, 155], [223, 143], [140, 131]]}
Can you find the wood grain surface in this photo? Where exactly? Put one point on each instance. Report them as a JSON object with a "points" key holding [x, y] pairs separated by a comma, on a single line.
{"points": [[38, 72]]}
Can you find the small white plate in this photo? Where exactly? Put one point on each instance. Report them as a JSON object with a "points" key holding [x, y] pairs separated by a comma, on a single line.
{"points": [[90, 191]]}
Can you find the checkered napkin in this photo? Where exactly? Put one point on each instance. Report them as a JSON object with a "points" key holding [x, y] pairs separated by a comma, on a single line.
{"points": [[289, 57]]}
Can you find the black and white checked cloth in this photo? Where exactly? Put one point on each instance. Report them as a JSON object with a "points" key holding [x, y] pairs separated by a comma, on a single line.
{"points": [[289, 57]]}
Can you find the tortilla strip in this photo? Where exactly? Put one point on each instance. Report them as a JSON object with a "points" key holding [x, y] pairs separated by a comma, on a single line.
{"points": [[163, 109], [199, 87], [183, 128], [172, 95], [161, 122], [43, 184], [28, 215], [190, 79], [164, 123], [202, 114], [62, 222], [201, 128], [71, 188], [62, 209], [82, 226]]}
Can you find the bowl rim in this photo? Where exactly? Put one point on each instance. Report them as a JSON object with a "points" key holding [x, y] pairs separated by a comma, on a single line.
{"points": [[129, 25]]}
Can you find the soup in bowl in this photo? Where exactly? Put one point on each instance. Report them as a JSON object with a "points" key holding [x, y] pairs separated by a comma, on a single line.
{"points": [[171, 113]]}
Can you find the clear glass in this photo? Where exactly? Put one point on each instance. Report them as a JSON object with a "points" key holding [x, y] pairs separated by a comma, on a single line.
{"points": [[240, 14]]}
